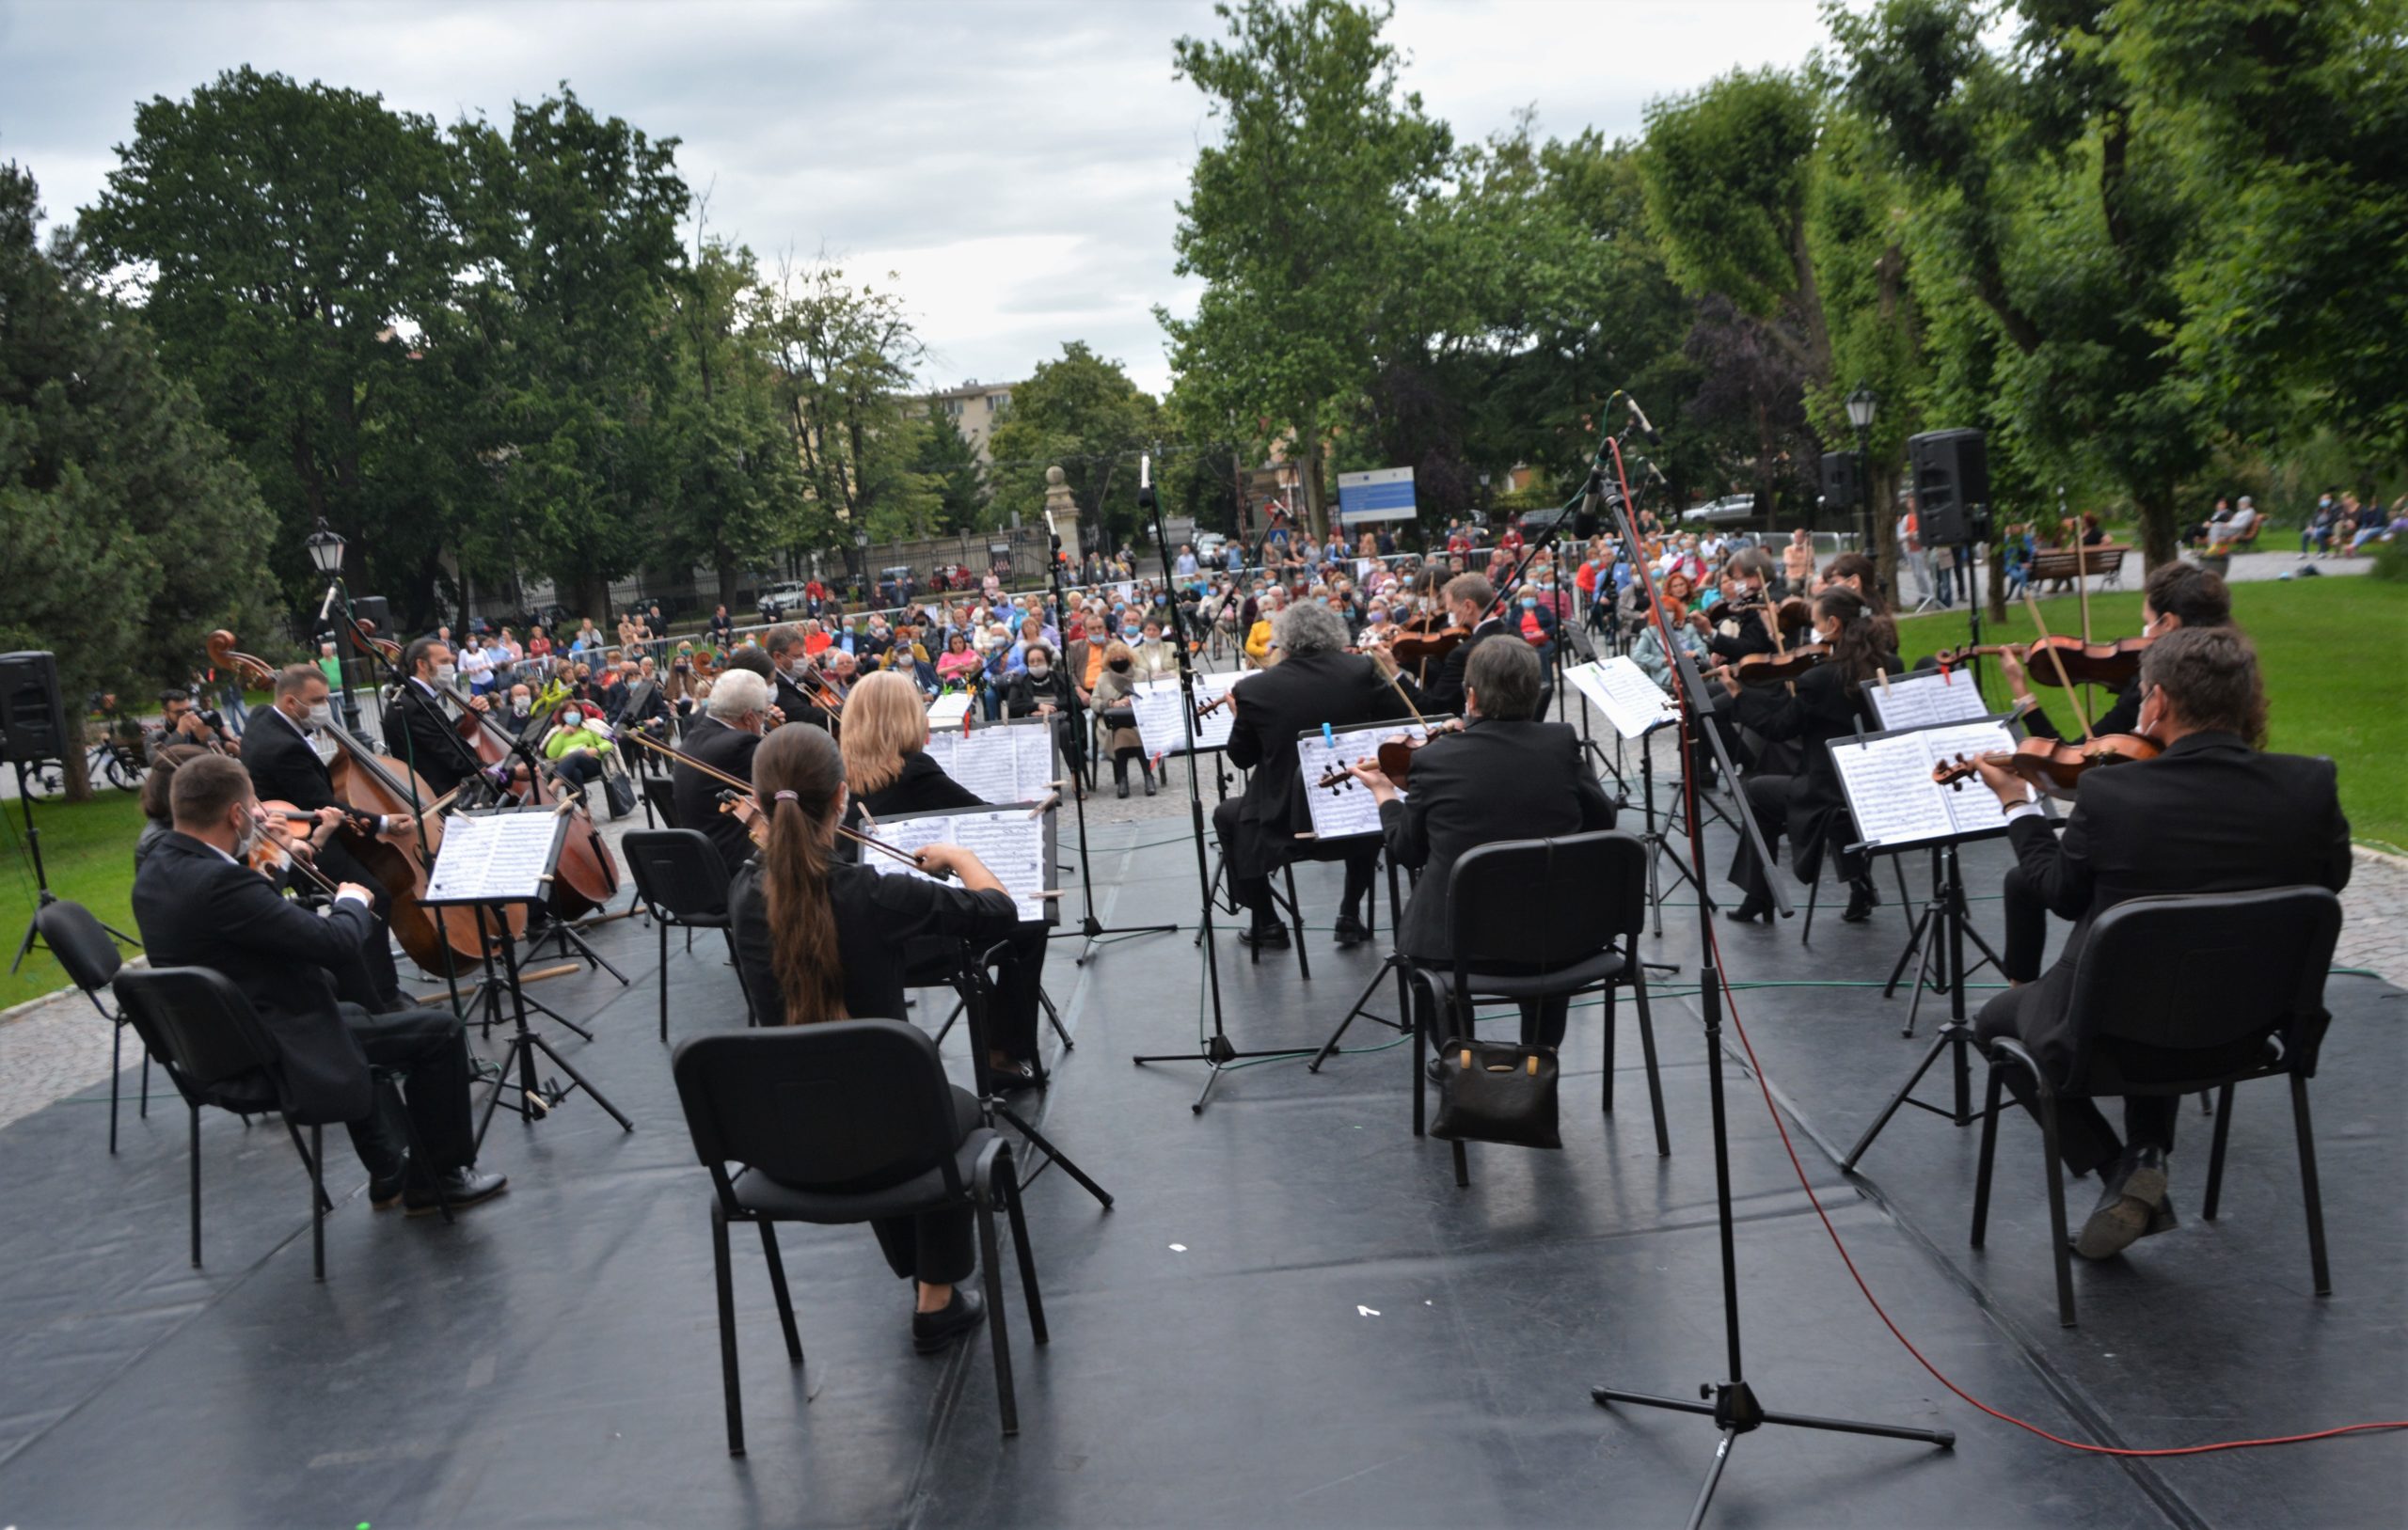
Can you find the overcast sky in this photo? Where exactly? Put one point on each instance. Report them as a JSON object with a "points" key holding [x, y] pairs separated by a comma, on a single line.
{"points": [[1015, 162]]}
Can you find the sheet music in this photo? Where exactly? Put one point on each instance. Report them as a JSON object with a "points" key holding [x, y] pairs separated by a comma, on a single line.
{"points": [[1006, 840], [1159, 728], [1928, 696], [1349, 809], [1002, 763], [494, 858], [1891, 793], [1622, 690], [947, 711]]}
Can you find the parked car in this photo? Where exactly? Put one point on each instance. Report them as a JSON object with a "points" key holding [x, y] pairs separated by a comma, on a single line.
{"points": [[1732, 510], [1208, 547], [786, 598]]}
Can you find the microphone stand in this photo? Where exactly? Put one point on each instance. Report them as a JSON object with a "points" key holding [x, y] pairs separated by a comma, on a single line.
{"points": [[1731, 1403], [1091, 930], [1215, 1053]]}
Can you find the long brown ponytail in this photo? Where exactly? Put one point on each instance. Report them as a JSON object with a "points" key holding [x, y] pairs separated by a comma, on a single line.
{"points": [[798, 773], [1857, 647]]}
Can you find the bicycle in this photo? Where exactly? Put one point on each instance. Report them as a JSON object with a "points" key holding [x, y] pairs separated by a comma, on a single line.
{"points": [[107, 761]]}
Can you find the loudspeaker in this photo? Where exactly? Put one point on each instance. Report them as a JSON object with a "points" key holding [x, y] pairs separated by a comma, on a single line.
{"points": [[1952, 472], [30, 713], [374, 610], [1839, 479]]}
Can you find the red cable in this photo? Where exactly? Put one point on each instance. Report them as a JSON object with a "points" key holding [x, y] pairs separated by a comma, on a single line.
{"points": [[1765, 1088]]}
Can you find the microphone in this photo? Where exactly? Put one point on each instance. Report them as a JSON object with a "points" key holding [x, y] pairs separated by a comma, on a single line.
{"points": [[1645, 426], [328, 603]]}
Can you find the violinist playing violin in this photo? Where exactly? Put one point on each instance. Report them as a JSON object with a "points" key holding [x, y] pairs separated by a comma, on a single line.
{"points": [[737, 714], [1468, 600], [284, 765], [2210, 814], [1505, 777], [197, 904], [1808, 805], [2178, 596]]}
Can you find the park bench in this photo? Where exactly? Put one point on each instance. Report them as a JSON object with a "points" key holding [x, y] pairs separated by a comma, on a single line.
{"points": [[2062, 564]]}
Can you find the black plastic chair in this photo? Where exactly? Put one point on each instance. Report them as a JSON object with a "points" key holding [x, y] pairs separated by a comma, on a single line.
{"points": [[776, 1113], [682, 882], [1541, 919], [90, 957], [659, 801], [216, 1052], [2176, 995]]}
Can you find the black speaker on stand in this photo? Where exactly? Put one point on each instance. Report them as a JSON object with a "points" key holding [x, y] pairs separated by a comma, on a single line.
{"points": [[1839, 479], [33, 728], [1951, 477]]}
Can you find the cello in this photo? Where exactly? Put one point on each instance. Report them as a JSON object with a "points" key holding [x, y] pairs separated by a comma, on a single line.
{"points": [[376, 785], [585, 878]]}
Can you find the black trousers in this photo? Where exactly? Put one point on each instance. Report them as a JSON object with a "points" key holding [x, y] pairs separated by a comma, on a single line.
{"points": [[429, 1049], [336, 861], [1253, 892], [2084, 1140], [1768, 799], [936, 1248], [1012, 1029], [1544, 1020], [2027, 928], [1120, 758]]}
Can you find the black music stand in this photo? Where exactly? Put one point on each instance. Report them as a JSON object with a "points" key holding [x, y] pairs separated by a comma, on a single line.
{"points": [[518, 871]]}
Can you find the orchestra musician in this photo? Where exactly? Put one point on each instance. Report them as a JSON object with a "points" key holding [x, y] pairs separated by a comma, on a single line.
{"points": [[1318, 684], [1808, 805], [723, 738], [890, 772], [819, 938], [2210, 814], [1467, 599], [791, 663], [1507, 775], [2176, 596], [198, 905], [417, 731], [284, 765]]}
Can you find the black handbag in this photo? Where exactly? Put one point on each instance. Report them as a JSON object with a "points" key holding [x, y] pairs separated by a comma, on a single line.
{"points": [[1119, 717], [1497, 1091]]}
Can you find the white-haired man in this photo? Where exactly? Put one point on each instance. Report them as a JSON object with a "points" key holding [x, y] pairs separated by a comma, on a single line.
{"points": [[723, 739]]}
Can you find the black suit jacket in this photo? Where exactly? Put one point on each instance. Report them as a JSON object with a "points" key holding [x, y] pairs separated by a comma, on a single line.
{"points": [[1499, 781], [1296, 695], [694, 796], [797, 705], [418, 735], [2208, 815], [281, 763], [1443, 693], [196, 909], [2122, 717]]}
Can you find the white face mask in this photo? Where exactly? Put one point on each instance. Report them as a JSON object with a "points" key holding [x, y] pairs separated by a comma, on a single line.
{"points": [[246, 837], [446, 673], [322, 715]]}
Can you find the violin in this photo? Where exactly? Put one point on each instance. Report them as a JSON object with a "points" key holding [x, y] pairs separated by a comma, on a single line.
{"points": [[1773, 669], [1395, 757], [1425, 640], [272, 853], [2114, 665], [2052, 766]]}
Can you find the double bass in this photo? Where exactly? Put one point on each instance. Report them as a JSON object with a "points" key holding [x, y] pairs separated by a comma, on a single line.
{"points": [[585, 878], [379, 786]]}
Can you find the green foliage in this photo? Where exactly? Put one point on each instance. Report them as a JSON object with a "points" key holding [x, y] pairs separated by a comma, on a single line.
{"points": [[948, 462], [1081, 412], [1294, 219], [130, 531], [2390, 561], [844, 355]]}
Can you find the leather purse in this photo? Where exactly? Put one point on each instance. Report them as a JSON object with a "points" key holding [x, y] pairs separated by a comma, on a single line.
{"points": [[1497, 1091]]}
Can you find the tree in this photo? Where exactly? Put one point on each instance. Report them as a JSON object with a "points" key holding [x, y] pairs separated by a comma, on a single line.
{"points": [[283, 241], [575, 248], [949, 463], [130, 529], [1081, 412], [1294, 219], [845, 356]]}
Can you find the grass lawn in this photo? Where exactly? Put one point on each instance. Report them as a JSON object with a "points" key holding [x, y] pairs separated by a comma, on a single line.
{"points": [[88, 849], [2334, 683]]}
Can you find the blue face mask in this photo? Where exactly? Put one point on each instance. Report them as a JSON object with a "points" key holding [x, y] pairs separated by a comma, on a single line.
{"points": [[1530, 603]]}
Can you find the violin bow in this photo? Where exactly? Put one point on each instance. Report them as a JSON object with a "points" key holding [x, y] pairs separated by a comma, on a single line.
{"points": [[2081, 714]]}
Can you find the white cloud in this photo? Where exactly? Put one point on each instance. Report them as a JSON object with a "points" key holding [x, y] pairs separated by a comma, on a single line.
{"points": [[1017, 163]]}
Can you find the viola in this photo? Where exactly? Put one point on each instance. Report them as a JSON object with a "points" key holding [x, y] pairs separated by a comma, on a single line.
{"points": [[2053, 766], [1395, 756], [2114, 665]]}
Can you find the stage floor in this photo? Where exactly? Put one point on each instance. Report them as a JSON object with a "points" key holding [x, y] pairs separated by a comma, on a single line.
{"points": [[1292, 1316]]}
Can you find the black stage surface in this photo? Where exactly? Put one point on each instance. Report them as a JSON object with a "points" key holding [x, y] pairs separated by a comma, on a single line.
{"points": [[1293, 1316]]}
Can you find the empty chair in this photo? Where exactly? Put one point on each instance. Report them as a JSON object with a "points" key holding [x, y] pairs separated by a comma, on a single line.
{"points": [[89, 955], [682, 882]]}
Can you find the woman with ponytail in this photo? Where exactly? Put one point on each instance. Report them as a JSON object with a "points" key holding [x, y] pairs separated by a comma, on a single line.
{"points": [[1825, 703], [819, 939]]}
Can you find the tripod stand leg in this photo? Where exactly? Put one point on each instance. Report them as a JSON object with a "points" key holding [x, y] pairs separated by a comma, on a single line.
{"points": [[1329, 1048], [996, 1108], [1951, 1035], [576, 1080]]}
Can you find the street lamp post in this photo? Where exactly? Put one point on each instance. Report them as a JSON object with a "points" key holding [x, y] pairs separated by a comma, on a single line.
{"points": [[1861, 405], [325, 548]]}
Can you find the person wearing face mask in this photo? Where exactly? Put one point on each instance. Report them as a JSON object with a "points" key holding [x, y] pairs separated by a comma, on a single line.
{"points": [[1825, 703], [2164, 826], [798, 693], [417, 730], [1043, 689], [1115, 695], [284, 764], [198, 905], [736, 718]]}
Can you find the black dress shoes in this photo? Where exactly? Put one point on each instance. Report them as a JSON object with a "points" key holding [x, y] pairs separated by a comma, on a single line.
{"points": [[463, 1187], [384, 1189], [1349, 931], [1750, 910], [932, 1332], [2128, 1204], [1120, 788], [1149, 783], [1265, 938], [1861, 900]]}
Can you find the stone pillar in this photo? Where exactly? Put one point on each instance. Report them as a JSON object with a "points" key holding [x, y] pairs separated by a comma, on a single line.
{"points": [[1062, 514]]}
